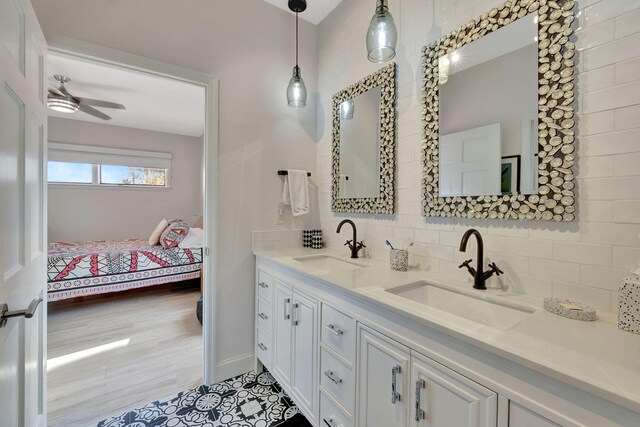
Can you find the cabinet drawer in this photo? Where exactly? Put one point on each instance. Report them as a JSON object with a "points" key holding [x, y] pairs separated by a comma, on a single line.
{"points": [[263, 347], [331, 415], [265, 286], [339, 332], [337, 379], [265, 316]]}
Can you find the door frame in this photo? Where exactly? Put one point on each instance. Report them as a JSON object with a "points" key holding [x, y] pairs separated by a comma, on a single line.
{"points": [[76, 49]]}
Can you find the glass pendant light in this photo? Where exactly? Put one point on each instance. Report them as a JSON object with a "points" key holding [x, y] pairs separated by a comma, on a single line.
{"points": [[297, 91], [382, 35]]}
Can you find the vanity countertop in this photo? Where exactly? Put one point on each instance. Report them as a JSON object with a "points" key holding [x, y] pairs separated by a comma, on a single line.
{"points": [[593, 356]]}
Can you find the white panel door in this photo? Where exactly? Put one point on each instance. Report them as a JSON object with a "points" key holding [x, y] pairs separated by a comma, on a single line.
{"points": [[282, 334], [23, 120], [305, 342], [383, 388], [470, 162], [442, 397]]}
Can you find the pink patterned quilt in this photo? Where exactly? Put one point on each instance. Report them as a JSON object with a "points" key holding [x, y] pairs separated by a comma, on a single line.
{"points": [[88, 268]]}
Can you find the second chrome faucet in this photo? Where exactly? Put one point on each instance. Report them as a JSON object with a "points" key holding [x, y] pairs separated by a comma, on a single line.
{"points": [[479, 276]]}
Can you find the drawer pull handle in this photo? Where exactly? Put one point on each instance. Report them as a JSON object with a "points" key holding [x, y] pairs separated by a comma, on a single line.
{"points": [[287, 301], [294, 314], [263, 285], [335, 331], [329, 422], [420, 414], [395, 396], [332, 376], [263, 316], [262, 346]]}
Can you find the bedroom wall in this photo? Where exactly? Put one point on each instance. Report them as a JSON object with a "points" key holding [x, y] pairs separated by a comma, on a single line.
{"points": [[107, 213], [584, 260], [249, 45]]}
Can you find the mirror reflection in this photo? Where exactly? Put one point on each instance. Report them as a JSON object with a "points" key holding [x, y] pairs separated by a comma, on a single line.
{"points": [[488, 114], [360, 146]]}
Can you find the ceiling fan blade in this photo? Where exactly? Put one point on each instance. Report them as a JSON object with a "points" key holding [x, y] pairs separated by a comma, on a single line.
{"points": [[92, 111], [55, 90], [98, 103]]}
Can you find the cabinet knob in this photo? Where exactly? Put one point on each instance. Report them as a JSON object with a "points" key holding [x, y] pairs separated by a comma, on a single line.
{"points": [[335, 331], [263, 285], [332, 376], [420, 414], [262, 346], [395, 395], [263, 316]]}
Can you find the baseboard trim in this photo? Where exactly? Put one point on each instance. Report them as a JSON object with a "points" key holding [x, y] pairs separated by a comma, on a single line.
{"points": [[234, 366]]}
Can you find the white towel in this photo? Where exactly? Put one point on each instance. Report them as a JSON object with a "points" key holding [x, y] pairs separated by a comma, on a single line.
{"points": [[296, 192]]}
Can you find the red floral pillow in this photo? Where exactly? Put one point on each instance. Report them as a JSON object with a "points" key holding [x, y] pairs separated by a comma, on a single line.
{"points": [[174, 233]]}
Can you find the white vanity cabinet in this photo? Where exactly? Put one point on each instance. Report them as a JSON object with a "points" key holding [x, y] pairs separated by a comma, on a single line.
{"points": [[295, 346], [383, 369], [346, 362], [442, 397]]}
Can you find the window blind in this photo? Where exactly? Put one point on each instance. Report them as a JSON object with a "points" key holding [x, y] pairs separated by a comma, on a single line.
{"points": [[72, 153]]}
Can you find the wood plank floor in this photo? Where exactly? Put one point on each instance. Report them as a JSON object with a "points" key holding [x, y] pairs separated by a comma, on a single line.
{"points": [[108, 354]]}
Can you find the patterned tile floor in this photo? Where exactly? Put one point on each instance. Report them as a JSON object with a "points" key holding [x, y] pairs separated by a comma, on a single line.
{"points": [[249, 400]]}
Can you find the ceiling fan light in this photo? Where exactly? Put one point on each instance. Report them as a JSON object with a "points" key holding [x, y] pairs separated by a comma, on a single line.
{"points": [[382, 35], [61, 105], [296, 91]]}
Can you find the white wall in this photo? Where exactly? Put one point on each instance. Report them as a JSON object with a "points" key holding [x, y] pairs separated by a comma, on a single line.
{"points": [[249, 45], [584, 260], [107, 213]]}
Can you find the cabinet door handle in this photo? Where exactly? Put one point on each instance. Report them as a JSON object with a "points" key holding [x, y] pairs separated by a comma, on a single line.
{"points": [[395, 396], [294, 314], [420, 414], [335, 331], [332, 376], [263, 316], [262, 346], [287, 316], [263, 285], [328, 422]]}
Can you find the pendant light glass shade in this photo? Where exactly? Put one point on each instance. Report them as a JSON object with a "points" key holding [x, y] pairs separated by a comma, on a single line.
{"points": [[296, 91], [382, 35]]}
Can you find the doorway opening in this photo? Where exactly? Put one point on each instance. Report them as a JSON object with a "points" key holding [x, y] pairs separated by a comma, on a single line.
{"points": [[131, 218]]}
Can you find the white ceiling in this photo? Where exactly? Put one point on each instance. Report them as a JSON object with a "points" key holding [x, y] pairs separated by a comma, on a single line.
{"points": [[152, 103], [316, 11]]}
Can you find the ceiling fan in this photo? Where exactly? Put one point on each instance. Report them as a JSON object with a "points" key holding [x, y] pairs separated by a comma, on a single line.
{"points": [[59, 99]]}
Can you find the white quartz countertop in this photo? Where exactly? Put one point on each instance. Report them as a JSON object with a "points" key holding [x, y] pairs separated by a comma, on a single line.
{"points": [[593, 356]]}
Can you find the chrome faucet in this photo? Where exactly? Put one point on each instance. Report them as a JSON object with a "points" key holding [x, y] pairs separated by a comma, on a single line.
{"points": [[479, 277], [354, 245]]}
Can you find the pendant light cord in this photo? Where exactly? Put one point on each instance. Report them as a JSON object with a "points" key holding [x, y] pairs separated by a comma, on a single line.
{"points": [[296, 39]]}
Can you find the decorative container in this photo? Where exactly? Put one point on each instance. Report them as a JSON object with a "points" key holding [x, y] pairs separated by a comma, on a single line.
{"points": [[399, 259], [629, 304], [570, 309]]}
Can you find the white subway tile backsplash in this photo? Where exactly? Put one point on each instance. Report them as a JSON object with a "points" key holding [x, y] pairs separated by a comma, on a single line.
{"points": [[613, 97], [627, 211], [583, 253], [570, 260], [602, 277], [627, 24], [627, 118], [625, 258]]}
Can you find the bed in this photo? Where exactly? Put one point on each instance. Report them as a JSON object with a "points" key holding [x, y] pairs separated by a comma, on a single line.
{"points": [[76, 269]]}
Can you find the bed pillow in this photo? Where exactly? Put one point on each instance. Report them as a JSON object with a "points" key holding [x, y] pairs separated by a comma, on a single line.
{"points": [[193, 239], [175, 232], [157, 232]]}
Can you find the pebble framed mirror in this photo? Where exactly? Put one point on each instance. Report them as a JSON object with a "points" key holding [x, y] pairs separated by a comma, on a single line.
{"points": [[364, 145], [498, 100]]}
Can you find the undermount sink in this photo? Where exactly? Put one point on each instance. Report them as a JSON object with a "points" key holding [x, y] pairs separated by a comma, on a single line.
{"points": [[478, 308], [328, 263]]}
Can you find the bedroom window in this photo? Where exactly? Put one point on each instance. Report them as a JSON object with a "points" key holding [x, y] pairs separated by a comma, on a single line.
{"points": [[128, 175], [107, 167], [70, 173]]}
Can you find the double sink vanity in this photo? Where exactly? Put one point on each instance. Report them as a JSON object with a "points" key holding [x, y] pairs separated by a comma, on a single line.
{"points": [[354, 343]]}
